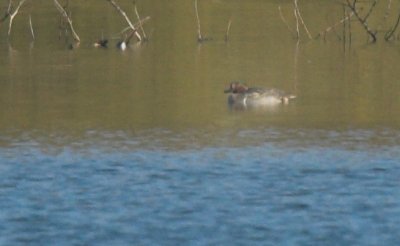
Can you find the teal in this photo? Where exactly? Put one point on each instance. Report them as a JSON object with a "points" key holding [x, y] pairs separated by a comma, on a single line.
{"points": [[241, 95]]}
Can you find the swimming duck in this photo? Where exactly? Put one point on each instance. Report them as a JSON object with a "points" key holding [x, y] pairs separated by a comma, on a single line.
{"points": [[241, 95], [122, 45], [101, 43]]}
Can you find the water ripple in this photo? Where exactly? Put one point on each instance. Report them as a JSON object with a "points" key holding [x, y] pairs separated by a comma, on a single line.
{"points": [[280, 191]]}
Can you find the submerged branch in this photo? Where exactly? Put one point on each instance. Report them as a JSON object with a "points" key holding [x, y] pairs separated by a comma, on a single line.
{"points": [[68, 19], [349, 27], [363, 21], [12, 16], [387, 10], [370, 10], [118, 8], [8, 12], [390, 33], [301, 18], [136, 25], [199, 37], [284, 20], [297, 25], [342, 21], [31, 27], [228, 29], [140, 23]]}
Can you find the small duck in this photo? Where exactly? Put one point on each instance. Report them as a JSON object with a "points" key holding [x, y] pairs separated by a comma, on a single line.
{"points": [[101, 43], [241, 95], [122, 45]]}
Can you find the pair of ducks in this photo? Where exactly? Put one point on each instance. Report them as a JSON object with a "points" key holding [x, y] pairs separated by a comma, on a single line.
{"points": [[243, 96]]}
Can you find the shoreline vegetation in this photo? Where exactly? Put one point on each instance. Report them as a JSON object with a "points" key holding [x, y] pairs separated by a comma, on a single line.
{"points": [[355, 13]]}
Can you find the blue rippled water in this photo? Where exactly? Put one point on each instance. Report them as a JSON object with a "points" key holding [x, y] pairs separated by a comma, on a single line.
{"points": [[268, 193]]}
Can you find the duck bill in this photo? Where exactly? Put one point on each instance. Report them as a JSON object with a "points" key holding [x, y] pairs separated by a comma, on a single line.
{"points": [[228, 90]]}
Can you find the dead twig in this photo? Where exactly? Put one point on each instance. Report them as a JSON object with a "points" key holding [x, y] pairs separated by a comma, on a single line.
{"points": [[390, 33], [295, 72], [227, 29], [389, 5], [12, 16], [370, 10], [199, 36], [285, 21], [31, 27], [136, 25], [328, 29], [363, 21], [118, 8], [298, 16], [68, 19], [344, 27], [140, 24], [123, 44], [297, 24], [8, 12], [349, 27]]}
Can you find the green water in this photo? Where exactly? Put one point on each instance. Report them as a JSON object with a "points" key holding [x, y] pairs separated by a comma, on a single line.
{"points": [[174, 82]]}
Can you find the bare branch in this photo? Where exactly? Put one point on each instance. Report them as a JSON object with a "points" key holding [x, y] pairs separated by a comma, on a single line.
{"points": [[136, 25], [301, 18], [8, 12], [344, 27], [140, 24], [31, 27], [342, 21], [362, 20], [9, 7], [387, 9], [66, 17], [13, 15], [199, 37], [390, 33], [370, 11], [297, 24], [349, 27], [284, 20], [113, 3], [227, 29]]}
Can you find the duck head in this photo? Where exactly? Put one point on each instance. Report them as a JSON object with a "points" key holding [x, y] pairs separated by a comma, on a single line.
{"points": [[236, 87]]}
